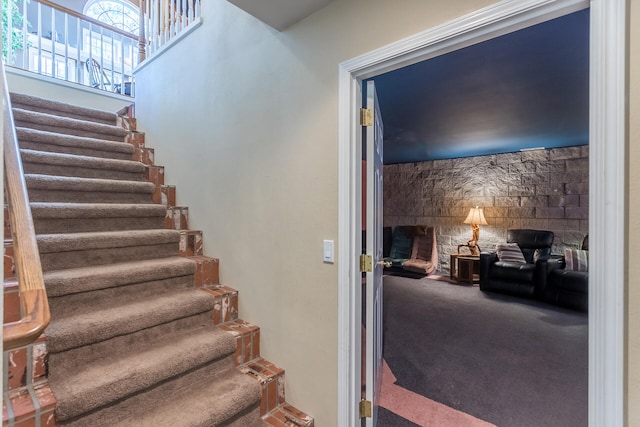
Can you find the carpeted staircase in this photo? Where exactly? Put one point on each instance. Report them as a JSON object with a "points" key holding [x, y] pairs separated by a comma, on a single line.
{"points": [[132, 341]]}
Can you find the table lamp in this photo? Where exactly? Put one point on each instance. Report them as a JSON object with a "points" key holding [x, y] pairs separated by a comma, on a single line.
{"points": [[475, 218]]}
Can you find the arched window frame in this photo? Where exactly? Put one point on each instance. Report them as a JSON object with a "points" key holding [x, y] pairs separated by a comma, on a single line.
{"points": [[127, 12]]}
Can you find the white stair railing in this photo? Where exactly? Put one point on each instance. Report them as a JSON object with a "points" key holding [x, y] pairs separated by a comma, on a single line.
{"points": [[52, 40], [164, 20]]}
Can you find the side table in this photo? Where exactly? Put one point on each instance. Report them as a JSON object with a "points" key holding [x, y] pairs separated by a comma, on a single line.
{"points": [[464, 268]]}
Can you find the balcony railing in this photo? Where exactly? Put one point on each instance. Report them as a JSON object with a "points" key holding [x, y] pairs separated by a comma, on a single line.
{"points": [[52, 40], [163, 20]]}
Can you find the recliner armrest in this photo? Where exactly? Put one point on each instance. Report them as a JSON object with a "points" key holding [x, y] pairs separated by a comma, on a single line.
{"points": [[544, 266], [486, 259]]}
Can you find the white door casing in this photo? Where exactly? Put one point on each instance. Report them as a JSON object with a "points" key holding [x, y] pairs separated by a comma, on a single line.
{"points": [[606, 183]]}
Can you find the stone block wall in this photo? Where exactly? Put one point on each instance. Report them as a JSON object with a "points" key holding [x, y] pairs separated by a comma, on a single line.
{"points": [[545, 189]]}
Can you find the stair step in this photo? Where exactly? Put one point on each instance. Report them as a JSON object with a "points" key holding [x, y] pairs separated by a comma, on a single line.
{"points": [[190, 242], [47, 106], [144, 155], [67, 126], [52, 218], [226, 304], [177, 218], [86, 279], [287, 416], [113, 297], [60, 251], [136, 139], [207, 271], [271, 380], [247, 338], [165, 195], [154, 174], [208, 396], [101, 324], [105, 381], [47, 188], [54, 142], [71, 165]]}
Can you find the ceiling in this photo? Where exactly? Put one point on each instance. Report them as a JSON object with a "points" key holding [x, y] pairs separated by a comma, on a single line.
{"points": [[523, 90], [280, 14]]}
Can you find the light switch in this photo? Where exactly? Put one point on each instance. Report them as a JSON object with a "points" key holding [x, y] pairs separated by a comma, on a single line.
{"points": [[327, 251]]}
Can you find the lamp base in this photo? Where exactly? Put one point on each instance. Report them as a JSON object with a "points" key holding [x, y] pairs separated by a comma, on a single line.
{"points": [[474, 249]]}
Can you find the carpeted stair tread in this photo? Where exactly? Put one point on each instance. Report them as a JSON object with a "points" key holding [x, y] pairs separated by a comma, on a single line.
{"points": [[85, 279], [102, 382], [95, 325], [50, 218], [48, 188], [65, 125], [72, 250], [71, 165], [42, 105], [67, 242], [70, 144], [206, 397]]}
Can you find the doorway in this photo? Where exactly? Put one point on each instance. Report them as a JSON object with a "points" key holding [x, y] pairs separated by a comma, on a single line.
{"points": [[607, 168]]}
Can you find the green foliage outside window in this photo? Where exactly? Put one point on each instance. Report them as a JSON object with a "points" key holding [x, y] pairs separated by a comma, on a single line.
{"points": [[14, 24]]}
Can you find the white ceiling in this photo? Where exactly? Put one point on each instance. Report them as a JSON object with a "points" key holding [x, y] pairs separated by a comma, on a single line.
{"points": [[280, 14]]}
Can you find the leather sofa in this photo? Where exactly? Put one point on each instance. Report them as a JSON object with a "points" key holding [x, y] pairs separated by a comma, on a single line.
{"points": [[517, 278], [562, 286]]}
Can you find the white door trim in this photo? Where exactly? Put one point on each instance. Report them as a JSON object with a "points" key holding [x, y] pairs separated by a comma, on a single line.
{"points": [[606, 178]]}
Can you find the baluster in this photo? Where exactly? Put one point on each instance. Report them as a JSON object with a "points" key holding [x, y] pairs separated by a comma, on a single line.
{"points": [[66, 47], [155, 22], [25, 35], [141, 34], [79, 41], [102, 85], [171, 15], [39, 38], [9, 13], [163, 22], [113, 54], [53, 42]]}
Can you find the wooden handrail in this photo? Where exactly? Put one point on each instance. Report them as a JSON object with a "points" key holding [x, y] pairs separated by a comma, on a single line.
{"points": [[87, 18], [33, 295]]}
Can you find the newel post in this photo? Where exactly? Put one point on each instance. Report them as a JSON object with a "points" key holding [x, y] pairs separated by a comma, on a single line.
{"points": [[142, 42]]}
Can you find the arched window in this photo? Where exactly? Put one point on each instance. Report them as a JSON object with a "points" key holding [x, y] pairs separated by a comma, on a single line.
{"points": [[117, 13]]}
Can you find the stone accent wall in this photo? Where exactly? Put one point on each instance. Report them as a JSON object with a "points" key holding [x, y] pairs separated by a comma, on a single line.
{"points": [[537, 189]]}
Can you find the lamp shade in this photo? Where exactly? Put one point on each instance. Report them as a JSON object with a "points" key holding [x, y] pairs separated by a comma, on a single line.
{"points": [[476, 216]]}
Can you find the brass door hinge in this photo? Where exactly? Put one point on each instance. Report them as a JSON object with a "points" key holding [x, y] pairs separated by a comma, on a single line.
{"points": [[366, 117], [366, 263], [366, 409]]}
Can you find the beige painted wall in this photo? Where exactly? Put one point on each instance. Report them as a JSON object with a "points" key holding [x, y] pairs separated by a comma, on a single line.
{"points": [[245, 120], [633, 275]]}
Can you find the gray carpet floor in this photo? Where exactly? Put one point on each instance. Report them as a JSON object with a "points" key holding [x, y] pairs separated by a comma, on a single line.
{"points": [[509, 361]]}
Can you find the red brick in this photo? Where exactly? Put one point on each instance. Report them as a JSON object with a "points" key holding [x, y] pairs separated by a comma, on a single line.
{"points": [[165, 195], [17, 364], [39, 356], [11, 305]]}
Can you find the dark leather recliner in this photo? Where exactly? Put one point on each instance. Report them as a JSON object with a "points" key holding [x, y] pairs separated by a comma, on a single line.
{"points": [[565, 287], [513, 277]]}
